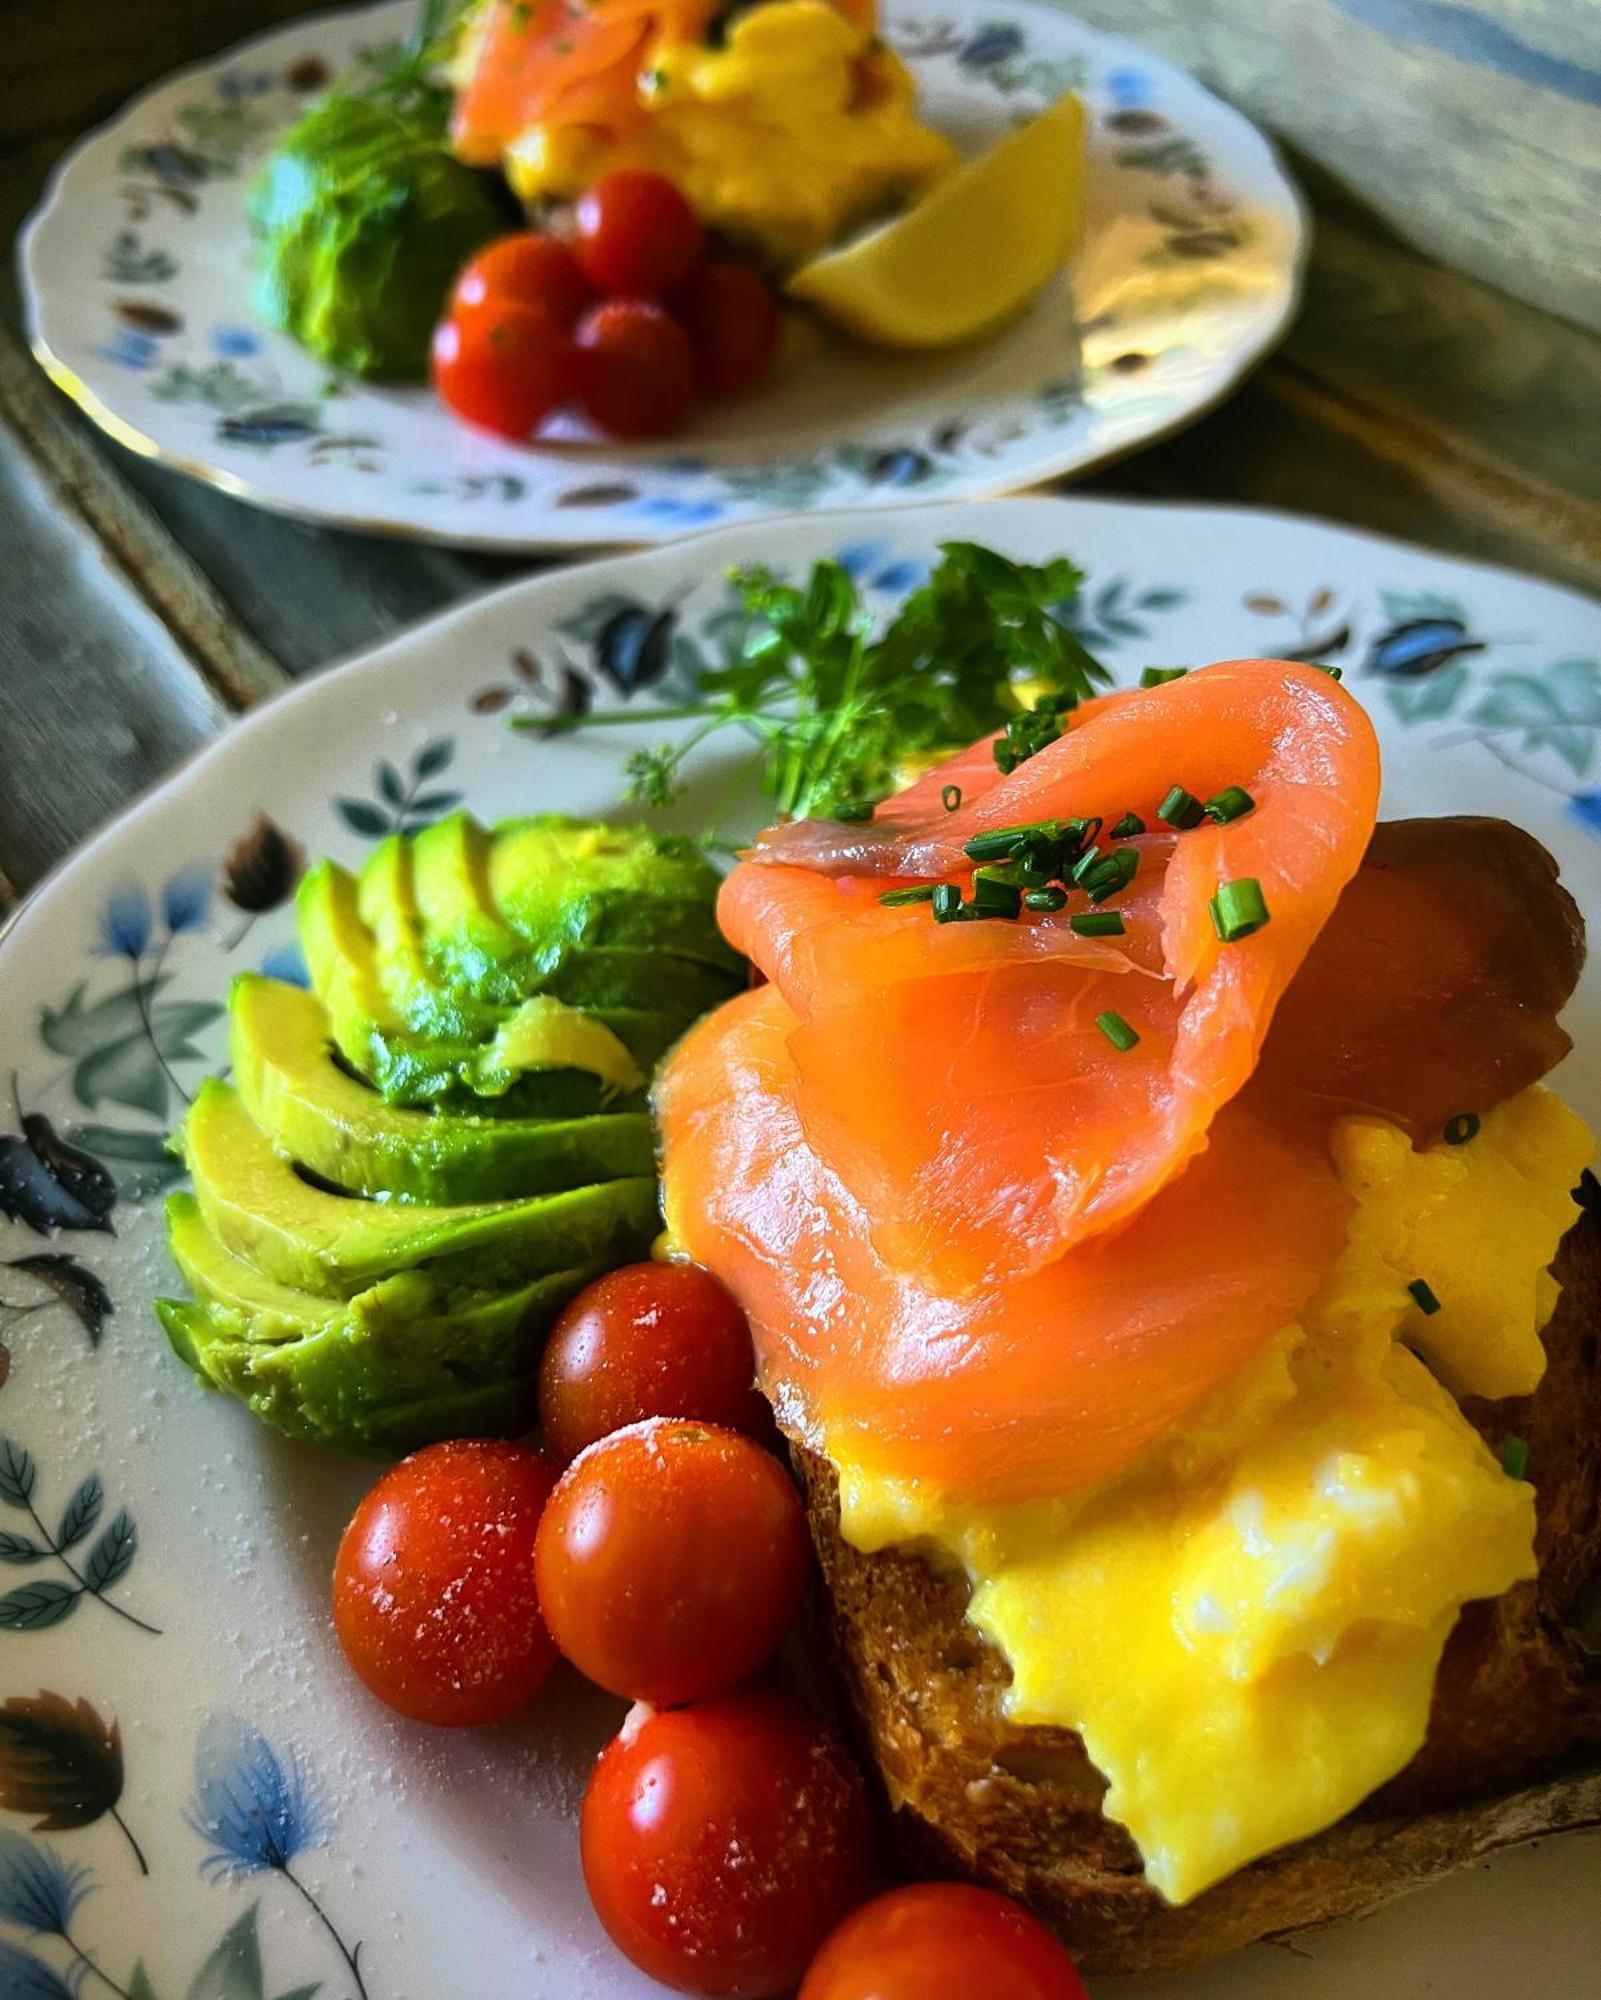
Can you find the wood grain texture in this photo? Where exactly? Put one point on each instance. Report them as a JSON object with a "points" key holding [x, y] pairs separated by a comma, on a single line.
{"points": [[1473, 126]]}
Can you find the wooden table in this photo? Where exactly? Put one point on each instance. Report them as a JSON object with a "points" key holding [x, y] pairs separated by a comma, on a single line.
{"points": [[139, 612]]}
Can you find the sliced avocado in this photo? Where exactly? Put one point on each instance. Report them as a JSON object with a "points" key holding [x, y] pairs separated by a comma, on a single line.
{"points": [[509, 913], [342, 959], [588, 884], [318, 1115], [382, 1371], [617, 976], [336, 1245], [388, 908]]}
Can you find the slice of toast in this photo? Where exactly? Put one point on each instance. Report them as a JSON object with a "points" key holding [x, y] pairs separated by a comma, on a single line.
{"points": [[1513, 1750]]}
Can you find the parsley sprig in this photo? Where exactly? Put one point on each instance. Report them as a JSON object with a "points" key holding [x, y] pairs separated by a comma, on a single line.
{"points": [[839, 712]]}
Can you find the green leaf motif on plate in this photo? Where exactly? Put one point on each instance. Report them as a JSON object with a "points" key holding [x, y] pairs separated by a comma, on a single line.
{"points": [[124, 1043], [1428, 700], [1559, 711]]}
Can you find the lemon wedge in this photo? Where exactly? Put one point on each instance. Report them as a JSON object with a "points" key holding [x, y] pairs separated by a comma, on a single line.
{"points": [[977, 249]]}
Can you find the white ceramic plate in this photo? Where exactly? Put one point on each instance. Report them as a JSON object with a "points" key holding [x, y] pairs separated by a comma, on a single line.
{"points": [[451, 1859], [136, 270]]}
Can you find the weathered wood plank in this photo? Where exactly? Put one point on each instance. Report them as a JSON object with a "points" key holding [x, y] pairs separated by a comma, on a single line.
{"points": [[97, 701]]}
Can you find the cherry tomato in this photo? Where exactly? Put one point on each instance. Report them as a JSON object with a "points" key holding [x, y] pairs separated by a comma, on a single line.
{"points": [[672, 1559], [524, 270], [733, 325], [650, 1340], [636, 369], [434, 1597], [941, 1941], [505, 368], [722, 1843], [637, 236]]}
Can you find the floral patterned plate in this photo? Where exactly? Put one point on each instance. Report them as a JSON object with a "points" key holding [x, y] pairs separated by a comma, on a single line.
{"points": [[196, 1801], [137, 275]]}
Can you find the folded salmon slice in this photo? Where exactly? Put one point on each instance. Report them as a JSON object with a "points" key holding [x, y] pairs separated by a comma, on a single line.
{"points": [[953, 1076], [1029, 1386]]}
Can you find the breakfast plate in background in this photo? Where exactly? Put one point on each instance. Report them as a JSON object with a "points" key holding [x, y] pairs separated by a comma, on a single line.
{"points": [[137, 273], [253, 1824]]}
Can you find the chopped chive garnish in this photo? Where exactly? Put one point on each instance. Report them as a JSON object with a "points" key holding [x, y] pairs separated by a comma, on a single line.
{"points": [[895, 899], [1000, 843], [1181, 809], [947, 900], [1463, 1127], [1233, 802], [1116, 1030], [1088, 861], [1155, 677], [1514, 1457], [1423, 1297], [1109, 876], [1045, 899], [951, 797], [993, 897], [1129, 825], [1238, 909], [1322, 667], [855, 812], [1097, 923]]}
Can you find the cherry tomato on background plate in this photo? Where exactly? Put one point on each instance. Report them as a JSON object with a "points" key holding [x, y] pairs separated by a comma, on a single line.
{"points": [[524, 270], [637, 235], [434, 1598], [650, 1340], [722, 1843], [671, 1560], [942, 1941], [636, 369], [505, 368], [733, 325]]}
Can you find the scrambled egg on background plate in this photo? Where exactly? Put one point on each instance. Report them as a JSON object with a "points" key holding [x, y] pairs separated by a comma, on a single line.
{"points": [[791, 126], [1269, 1590]]}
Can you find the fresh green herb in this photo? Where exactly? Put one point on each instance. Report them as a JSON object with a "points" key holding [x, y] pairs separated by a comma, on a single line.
{"points": [[1129, 825], [1045, 899], [1181, 809], [1322, 667], [1116, 1030], [1238, 909], [1001, 843], [896, 899], [1463, 1127], [947, 900], [838, 711], [1097, 923], [1423, 1297], [1087, 863], [951, 797], [1155, 677], [1515, 1457], [1232, 803]]}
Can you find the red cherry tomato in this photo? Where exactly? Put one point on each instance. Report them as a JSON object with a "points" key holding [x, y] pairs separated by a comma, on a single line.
{"points": [[636, 369], [722, 1843], [524, 270], [672, 1559], [733, 325], [650, 1340], [434, 1596], [637, 236], [941, 1941], [504, 368]]}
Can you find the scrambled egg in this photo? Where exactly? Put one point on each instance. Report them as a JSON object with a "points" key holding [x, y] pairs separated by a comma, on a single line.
{"points": [[800, 127], [1244, 1628]]}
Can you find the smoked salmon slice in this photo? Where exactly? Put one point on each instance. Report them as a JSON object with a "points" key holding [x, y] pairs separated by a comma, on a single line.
{"points": [[1027, 1387], [549, 63], [953, 1076]]}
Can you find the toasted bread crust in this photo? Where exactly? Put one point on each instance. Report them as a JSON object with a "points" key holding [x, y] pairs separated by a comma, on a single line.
{"points": [[1513, 1750]]}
